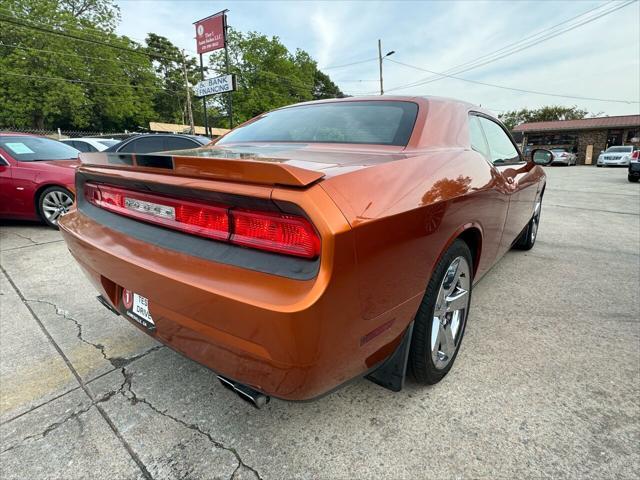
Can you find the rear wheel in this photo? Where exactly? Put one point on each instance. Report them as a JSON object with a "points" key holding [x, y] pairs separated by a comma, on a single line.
{"points": [[632, 179], [442, 316], [53, 202]]}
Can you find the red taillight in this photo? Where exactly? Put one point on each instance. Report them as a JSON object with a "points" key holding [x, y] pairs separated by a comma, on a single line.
{"points": [[274, 232], [186, 216], [635, 155]]}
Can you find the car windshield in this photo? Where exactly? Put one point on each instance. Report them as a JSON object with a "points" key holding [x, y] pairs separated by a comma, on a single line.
{"points": [[108, 143], [362, 122], [558, 150], [33, 149], [619, 149]]}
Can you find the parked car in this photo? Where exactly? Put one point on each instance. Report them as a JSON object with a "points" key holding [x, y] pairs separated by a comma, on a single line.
{"points": [[90, 144], [158, 142], [313, 244], [36, 176], [634, 166], [616, 156], [564, 157]]}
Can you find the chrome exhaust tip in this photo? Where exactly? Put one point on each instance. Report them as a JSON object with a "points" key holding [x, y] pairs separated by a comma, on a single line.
{"points": [[246, 393]]}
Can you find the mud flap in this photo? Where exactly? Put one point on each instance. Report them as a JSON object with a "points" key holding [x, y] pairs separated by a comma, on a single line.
{"points": [[392, 372]]}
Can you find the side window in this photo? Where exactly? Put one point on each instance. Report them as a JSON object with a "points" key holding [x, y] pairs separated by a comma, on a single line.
{"points": [[179, 143], [500, 145], [144, 145], [83, 147], [476, 137]]}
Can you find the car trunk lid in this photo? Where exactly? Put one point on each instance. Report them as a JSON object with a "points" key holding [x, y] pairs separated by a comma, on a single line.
{"points": [[294, 165]]}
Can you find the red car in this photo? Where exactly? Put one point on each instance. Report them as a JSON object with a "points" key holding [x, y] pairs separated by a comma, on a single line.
{"points": [[36, 177]]}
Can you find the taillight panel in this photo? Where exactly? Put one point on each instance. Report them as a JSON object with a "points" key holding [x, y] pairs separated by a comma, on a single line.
{"points": [[269, 231]]}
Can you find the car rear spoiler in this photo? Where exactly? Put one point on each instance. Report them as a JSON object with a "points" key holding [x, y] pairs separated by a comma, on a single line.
{"points": [[246, 170]]}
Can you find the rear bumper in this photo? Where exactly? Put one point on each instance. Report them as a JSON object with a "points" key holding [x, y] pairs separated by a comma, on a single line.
{"points": [[634, 169], [288, 338], [612, 163]]}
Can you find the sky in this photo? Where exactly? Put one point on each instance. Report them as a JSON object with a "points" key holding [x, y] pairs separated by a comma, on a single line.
{"points": [[600, 59]]}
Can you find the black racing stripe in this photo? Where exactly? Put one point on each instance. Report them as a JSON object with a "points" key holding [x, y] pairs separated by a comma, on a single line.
{"points": [[257, 260]]}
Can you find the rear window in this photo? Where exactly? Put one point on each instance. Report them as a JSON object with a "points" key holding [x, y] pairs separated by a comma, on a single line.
{"points": [[32, 149], [108, 143], [372, 122], [619, 149]]}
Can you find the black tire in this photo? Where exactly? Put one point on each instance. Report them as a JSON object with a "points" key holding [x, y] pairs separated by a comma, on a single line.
{"points": [[599, 166], [527, 238], [48, 198], [420, 356], [632, 179]]}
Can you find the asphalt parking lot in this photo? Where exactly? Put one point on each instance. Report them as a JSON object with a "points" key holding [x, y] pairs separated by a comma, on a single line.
{"points": [[547, 382]]}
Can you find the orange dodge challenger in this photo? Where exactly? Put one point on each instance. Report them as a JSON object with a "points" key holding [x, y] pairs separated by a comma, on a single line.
{"points": [[313, 244]]}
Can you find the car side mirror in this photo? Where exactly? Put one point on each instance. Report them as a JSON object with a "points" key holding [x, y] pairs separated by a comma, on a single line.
{"points": [[541, 156]]}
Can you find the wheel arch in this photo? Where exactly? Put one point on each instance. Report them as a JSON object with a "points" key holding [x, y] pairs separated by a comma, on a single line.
{"points": [[42, 188], [472, 236]]}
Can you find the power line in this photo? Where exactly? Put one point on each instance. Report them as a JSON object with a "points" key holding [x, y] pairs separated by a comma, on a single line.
{"points": [[522, 40], [575, 97], [544, 38], [348, 64], [75, 37], [71, 80], [84, 30], [66, 54]]}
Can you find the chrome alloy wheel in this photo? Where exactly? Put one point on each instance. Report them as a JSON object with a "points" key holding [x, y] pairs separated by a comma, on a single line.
{"points": [[450, 312], [536, 220], [54, 204]]}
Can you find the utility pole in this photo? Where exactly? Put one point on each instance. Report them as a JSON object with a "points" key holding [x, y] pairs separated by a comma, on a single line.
{"points": [[186, 84], [380, 58], [380, 63], [226, 59]]}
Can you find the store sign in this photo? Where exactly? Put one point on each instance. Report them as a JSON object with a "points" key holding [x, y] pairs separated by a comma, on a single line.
{"points": [[210, 34], [211, 86]]}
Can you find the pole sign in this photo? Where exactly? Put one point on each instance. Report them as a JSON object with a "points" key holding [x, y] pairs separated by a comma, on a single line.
{"points": [[210, 33], [211, 86]]}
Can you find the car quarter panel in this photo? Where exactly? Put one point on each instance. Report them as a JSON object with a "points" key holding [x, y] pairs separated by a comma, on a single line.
{"points": [[404, 214]]}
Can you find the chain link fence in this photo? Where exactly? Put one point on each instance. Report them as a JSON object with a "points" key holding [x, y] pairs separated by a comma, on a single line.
{"points": [[59, 134]]}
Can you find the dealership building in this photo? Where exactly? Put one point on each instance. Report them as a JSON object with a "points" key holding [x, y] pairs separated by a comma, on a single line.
{"points": [[587, 137]]}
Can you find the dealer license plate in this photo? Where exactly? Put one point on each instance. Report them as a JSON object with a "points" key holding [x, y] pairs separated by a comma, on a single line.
{"points": [[137, 307]]}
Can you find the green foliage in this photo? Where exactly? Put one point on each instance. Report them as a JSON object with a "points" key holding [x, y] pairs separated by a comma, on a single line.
{"points": [[102, 81], [544, 114], [111, 88], [268, 76]]}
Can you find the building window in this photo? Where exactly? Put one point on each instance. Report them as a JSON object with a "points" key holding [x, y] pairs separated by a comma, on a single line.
{"points": [[632, 134], [553, 138]]}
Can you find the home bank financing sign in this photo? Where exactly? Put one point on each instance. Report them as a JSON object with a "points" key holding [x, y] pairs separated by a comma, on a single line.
{"points": [[211, 86]]}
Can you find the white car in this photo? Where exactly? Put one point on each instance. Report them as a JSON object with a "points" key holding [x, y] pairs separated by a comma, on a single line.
{"points": [[563, 156], [618, 156], [90, 144]]}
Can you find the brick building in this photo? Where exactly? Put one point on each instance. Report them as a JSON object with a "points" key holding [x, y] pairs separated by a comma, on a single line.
{"points": [[587, 137]]}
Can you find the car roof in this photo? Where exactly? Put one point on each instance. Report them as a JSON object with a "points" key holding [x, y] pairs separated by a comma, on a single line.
{"points": [[396, 98], [18, 134]]}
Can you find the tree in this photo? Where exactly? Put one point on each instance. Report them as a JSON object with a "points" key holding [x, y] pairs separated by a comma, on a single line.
{"points": [[548, 113], [49, 79], [268, 75]]}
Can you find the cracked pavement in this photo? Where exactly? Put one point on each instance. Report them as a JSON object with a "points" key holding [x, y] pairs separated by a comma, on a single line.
{"points": [[547, 382]]}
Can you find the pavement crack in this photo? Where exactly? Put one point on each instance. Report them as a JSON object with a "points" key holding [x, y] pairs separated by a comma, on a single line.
{"points": [[24, 237], [116, 362], [127, 391], [65, 314], [55, 425]]}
